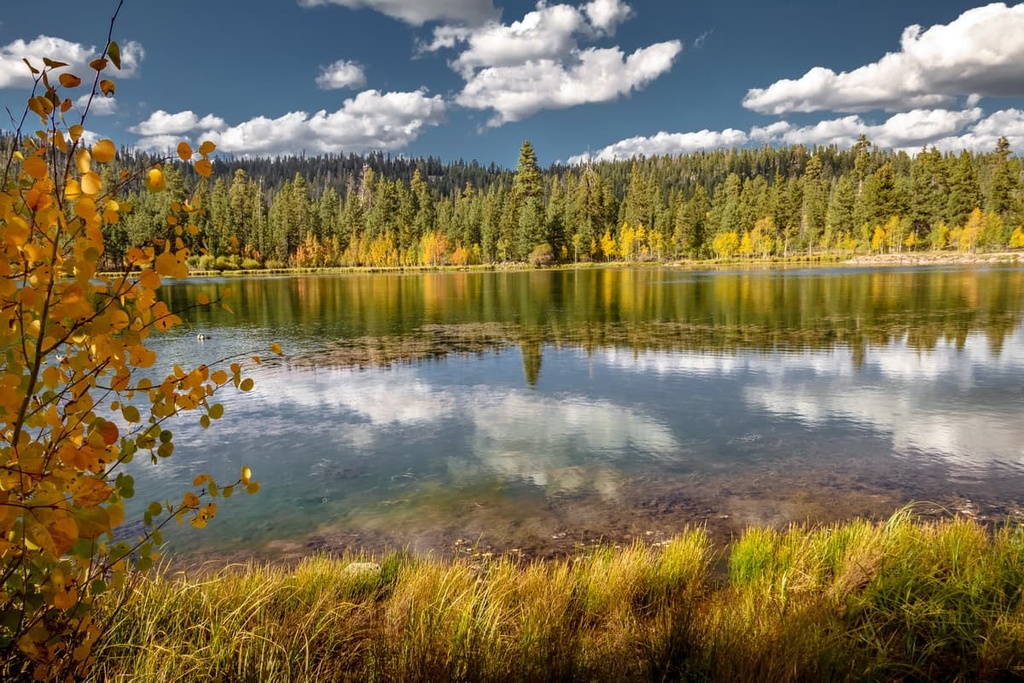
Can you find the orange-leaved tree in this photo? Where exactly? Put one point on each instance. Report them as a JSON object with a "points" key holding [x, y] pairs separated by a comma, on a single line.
{"points": [[78, 397]]}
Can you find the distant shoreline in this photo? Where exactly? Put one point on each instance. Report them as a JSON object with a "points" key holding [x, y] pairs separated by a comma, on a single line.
{"points": [[938, 258], [916, 258]]}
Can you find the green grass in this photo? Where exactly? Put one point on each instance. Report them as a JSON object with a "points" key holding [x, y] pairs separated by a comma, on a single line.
{"points": [[900, 600]]}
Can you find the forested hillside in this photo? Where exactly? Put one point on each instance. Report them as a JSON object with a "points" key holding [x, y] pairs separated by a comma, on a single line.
{"points": [[379, 210]]}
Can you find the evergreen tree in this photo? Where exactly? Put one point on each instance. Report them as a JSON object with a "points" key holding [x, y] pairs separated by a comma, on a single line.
{"points": [[929, 189], [528, 209], [815, 204], [1002, 183], [964, 190]]}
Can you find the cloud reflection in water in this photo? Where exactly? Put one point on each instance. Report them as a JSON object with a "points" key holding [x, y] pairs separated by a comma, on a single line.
{"points": [[961, 403]]}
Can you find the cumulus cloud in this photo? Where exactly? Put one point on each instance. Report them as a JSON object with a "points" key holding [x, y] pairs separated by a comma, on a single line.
{"points": [[666, 144], [606, 15], [599, 75], [419, 12], [979, 53], [161, 122], [14, 73], [159, 143], [948, 130], [546, 33], [906, 130], [101, 106], [1008, 123], [369, 121], [341, 74], [536, 63]]}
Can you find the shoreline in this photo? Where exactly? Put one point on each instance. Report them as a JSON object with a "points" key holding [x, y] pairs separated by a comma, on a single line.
{"points": [[917, 258]]}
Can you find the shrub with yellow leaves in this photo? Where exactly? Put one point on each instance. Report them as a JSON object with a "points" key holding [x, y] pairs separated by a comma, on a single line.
{"points": [[74, 406]]}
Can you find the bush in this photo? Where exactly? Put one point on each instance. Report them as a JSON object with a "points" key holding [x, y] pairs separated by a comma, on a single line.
{"points": [[232, 262], [541, 256], [205, 262]]}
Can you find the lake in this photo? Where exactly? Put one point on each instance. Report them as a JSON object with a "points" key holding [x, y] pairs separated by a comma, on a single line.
{"points": [[538, 411]]}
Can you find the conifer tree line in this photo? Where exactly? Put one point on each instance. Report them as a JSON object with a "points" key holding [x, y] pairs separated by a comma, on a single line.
{"points": [[382, 211]]}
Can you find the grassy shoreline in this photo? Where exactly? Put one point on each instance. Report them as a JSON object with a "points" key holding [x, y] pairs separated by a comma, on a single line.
{"points": [[903, 599], [916, 258]]}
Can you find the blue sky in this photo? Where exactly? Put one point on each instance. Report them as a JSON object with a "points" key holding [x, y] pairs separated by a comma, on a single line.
{"points": [[472, 79]]}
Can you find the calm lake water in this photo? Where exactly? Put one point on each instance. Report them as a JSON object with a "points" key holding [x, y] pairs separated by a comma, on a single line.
{"points": [[541, 410]]}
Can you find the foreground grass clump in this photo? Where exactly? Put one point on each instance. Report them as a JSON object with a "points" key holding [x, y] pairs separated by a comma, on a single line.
{"points": [[901, 600]]}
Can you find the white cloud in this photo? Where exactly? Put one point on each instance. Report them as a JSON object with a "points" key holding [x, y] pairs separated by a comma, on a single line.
{"points": [[419, 12], [101, 106], [14, 73], [981, 52], [949, 130], [598, 75], [606, 15], [546, 33], [907, 130], [537, 63], [160, 143], [666, 144], [369, 121], [161, 122], [1008, 123], [341, 74]]}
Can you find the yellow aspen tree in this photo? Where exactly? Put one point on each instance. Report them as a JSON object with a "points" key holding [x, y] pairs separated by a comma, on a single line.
{"points": [[78, 398]]}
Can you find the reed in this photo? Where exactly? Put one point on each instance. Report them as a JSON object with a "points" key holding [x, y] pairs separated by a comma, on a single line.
{"points": [[900, 600]]}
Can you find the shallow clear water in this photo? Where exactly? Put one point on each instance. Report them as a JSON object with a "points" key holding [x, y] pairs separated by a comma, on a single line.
{"points": [[539, 410]]}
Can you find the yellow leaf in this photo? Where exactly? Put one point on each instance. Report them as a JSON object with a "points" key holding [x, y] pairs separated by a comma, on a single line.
{"points": [[252, 487], [276, 348], [75, 132], [155, 181], [184, 151], [108, 430], [149, 279], [85, 208], [107, 87], [166, 264], [247, 384], [63, 531], [246, 475], [83, 160], [219, 377], [91, 183], [204, 168], [35, 105], [207, 148], [73, 190], [104, 151], [200, 480], [69, 80], [65, 599], [35, 167], [202, 299], [198, 522], [89, 491], [190, 500], [114, 52], [98, 64]]}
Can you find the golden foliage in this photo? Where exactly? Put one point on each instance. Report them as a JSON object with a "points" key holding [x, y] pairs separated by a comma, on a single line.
{"points": [[73, 408]]}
